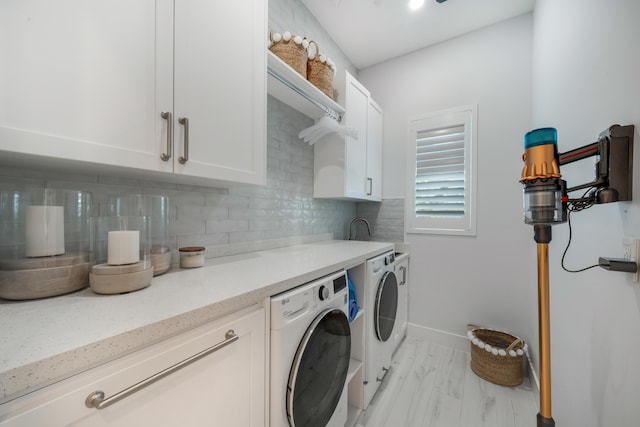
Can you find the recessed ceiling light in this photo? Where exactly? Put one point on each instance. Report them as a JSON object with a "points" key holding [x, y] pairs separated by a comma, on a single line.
{"points": [[415, 4]]}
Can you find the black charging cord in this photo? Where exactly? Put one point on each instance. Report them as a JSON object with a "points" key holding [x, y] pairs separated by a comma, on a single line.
{"points": [[577, 205]]}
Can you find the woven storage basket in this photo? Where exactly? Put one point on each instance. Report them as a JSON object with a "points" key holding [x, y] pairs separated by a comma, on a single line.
{"points": [[503, 368], [292, 53], [320, 72]]}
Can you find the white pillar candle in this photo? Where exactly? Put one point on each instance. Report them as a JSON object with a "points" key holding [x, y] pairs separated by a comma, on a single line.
{"points": [[123, 247], [44, 233]]}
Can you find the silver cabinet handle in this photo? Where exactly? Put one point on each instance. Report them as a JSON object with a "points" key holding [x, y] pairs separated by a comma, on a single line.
{"points": [[386, 371], [185, 122], [167, 116], [404, 275], [98, 401], [370, 192]]}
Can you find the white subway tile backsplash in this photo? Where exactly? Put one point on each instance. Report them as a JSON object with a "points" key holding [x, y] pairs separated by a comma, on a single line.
{"points": [[226, 200], [205, 239], [386, 219], [247, 236], [226, 225], [265, 224], [253, 213], [187, 212]]}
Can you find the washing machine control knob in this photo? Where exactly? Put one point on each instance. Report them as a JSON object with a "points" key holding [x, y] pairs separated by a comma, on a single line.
{"points": [[389, 259], [323, 293]]}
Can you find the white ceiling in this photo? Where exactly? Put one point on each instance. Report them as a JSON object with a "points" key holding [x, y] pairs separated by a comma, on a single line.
{"points": [[372, 31]]}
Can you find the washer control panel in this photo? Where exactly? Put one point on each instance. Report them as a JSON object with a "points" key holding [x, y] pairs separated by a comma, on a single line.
{"points": [[297, 302]]}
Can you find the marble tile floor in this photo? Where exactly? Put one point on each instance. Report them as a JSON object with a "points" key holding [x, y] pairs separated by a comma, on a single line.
{"points": [[431, 385]]}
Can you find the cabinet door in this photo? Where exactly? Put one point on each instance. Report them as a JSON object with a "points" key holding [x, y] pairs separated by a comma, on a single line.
{"points": [[225, 387], [220, 87], [85, 79], [356, 106], [374, 151]]}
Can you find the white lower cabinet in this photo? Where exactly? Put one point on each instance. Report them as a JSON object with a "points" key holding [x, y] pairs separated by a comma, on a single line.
{"points": [[211, 376]]}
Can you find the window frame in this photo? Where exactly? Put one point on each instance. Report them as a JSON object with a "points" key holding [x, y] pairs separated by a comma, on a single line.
{"points": [[466, 115]]}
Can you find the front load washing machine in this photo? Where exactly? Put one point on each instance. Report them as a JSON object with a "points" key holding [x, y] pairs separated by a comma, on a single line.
{"points": [[310, 353], [382, 305]]}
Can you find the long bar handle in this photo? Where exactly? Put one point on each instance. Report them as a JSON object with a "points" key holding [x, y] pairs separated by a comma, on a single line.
{"points": [[185, 122], [97, 399], [167, 116], [370, 181]]}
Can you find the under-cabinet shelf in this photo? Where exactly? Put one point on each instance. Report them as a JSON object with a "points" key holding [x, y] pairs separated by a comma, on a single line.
{"points": [[287, 85]]}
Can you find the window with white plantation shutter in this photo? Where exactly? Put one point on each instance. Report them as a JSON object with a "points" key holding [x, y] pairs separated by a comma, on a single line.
{"points": [[440, 173], [441, 187]]}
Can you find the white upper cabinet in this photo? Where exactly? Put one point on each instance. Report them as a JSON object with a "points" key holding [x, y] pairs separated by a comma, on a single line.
{"points": [[346, 167], [356, 106], [89, 81], [374, 150], [83, 80], [220, 87]]}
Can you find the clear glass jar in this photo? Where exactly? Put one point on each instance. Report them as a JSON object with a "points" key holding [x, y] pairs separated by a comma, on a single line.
{"points": [[120, 240], [121, 254], [44, 242], [156, 209]]}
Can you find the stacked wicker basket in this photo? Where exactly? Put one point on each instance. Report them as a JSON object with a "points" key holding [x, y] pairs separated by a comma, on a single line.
{"points": [[304, 57], [496, 356]]}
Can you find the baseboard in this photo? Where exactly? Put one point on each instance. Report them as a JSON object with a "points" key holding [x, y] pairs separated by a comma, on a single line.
{"points": [[531, 373], [459, 342]]}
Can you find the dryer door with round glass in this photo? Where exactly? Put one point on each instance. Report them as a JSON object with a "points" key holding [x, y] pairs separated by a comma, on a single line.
{"points": [[319, 370], [386, 306]]}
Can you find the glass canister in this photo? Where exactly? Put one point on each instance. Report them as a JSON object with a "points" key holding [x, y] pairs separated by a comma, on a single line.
{"points": [[121, 253], [156, 208], [44, 242]]}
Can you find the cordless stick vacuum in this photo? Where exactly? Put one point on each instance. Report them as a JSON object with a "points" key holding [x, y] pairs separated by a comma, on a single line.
{"points": [[543, 207], [546, 203]]}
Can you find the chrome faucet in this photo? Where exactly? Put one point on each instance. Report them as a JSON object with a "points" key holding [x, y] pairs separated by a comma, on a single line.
{"points": [[356, 220]]}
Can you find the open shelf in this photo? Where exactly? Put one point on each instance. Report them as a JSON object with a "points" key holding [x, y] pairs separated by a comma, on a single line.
{"points": [[287, 85], [352, 416], [359, 315], [355, 374], [354, 367]]}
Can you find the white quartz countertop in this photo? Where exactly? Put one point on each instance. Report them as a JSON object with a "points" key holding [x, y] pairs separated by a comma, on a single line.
{"points": [[43, 341]]}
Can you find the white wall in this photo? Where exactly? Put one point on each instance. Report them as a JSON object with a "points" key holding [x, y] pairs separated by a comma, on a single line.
{"points": [[586, 74], [487, 279]]}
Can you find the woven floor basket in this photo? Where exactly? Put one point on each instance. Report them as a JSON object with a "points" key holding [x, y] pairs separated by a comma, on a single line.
{"points": [[294, 55], [320, 73], [499, 369]]}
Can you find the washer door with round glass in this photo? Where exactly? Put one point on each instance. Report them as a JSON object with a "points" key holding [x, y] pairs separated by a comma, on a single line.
{"points": [[319, 370], [386, 306]]}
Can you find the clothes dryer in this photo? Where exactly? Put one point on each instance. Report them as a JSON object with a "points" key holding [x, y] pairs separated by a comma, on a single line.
{"points": [[382, 307], [402, 315], [310, 353]]}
